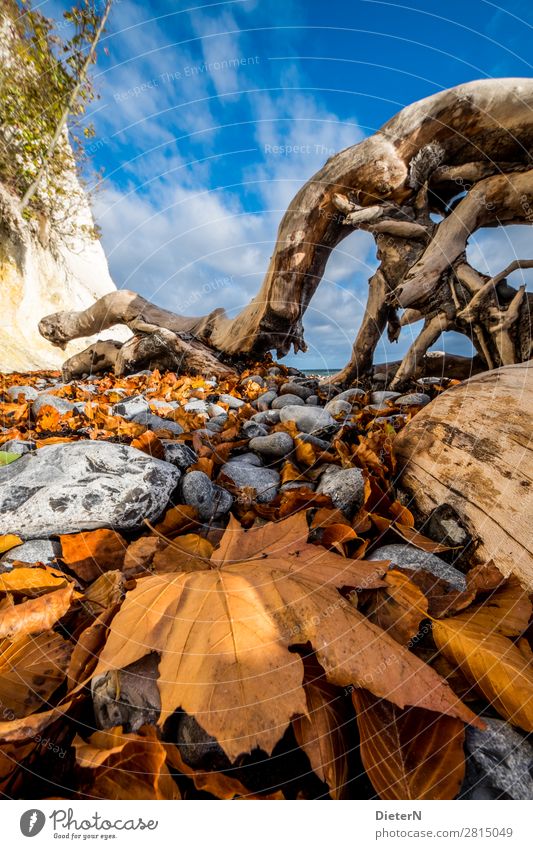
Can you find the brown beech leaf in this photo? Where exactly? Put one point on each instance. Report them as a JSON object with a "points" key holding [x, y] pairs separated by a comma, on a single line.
{"points": [[140, 554], [90, 553], [415, 538], [321, 734], [506, 610], [399, 608], [31, 669], [217, 783], [186, 553], [409, 754], [8, 541], [28, 727], [107, 591], [88, 646], [150, 444], [114, 765], [38, 614], [31, 581], [493, 663], [223, 636]]}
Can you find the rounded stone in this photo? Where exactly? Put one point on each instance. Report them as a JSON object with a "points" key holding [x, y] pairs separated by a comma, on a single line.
{"points": [[62, 405], [354, 394], [413, 399], [274, 446], [267, 417], [265, 482], [286, 401], [179, 454], [416, 559], [338, 407], [264, 401], [16, 392], [232, 402], [253, 429], [383, 395], [345, 487], [307, 418], [34, 551], [198, 491], [293, 388], [130, 407]]}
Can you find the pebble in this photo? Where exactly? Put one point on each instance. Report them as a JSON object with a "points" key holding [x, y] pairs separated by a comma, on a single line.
{"points": [[34, 551], [274, 446], [62, 405], [19, 446], [269, 417], [248, 457], [308, 419], [196, 405], [211, 501], [416, 559], [252, 429], [313, 401], [287, 401], [313, 440], [444, 526], [345, 487], [155, 423], [253, 378], [29, 392], [232, 402], [383, 395], [338, 407], [413, 399], [130, 407], [217, 424], [179, 454], [292, 388], [75, 486], [215, 410], [264, 401], [499, 762], [264, 481], [351, 395]]}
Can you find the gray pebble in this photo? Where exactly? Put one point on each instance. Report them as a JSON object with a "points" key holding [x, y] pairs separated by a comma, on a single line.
{"points": [[382, 396], [345, 487], [33, 551], [211, 501], [416, 559], [29, 392], [153, 422], [62, 405], [308, 419], [130, 407], [267, 417], [351, 395], [499, 761], [338, 407], [198, 406], [216, 410], [264, 481], [287, 401], [248, 458], [274, 446], [232, 402], [321, 444], [19, 446], [252, 429], [313, 401], [413, 399], [179, 454], [264, 401], [293, 388], [253, 378]]}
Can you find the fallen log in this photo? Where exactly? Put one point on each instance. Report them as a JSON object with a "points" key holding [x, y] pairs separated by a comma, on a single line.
{"points": [[462, 154], [471, 448]]}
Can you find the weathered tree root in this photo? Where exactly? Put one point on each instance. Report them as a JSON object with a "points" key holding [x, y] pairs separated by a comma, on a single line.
{"points": [[463, 154]]}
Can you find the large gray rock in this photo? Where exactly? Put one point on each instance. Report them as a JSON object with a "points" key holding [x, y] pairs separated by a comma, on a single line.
{"points": [[287, 401], [308, 418], [210, 500], [416, 559], [19, 446], [345, 487], [274, 446], [16, 392], [264, 481], [34, 551], [179, 454], [62, 405], [499, 763], [69, 487], [297, 389]]}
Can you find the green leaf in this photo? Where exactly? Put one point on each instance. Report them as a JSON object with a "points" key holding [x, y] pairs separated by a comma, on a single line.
{"points": [[7, 457]]}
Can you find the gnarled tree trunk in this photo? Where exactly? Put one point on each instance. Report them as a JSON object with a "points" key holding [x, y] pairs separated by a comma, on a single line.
{"points": [[464, 154]]}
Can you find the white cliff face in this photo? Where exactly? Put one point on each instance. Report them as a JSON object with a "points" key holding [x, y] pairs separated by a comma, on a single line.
{"points": [[42, 272]]}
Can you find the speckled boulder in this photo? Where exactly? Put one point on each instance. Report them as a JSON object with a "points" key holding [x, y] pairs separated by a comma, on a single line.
{"points": [[69, 487]]}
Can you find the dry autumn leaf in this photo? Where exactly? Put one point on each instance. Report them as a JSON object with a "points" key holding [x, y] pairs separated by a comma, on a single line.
{"points": [[409, 754], [31, 669], [31, 581], [114, 765], [9, 541], [223, 635], [38, 614], [493, 663], [90, 553]]}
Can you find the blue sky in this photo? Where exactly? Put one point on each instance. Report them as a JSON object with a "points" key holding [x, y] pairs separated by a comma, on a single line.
{"points": [[195, 97]]}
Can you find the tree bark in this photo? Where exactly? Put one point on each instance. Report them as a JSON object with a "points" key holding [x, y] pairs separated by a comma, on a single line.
{"points": [[472, 139]]}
